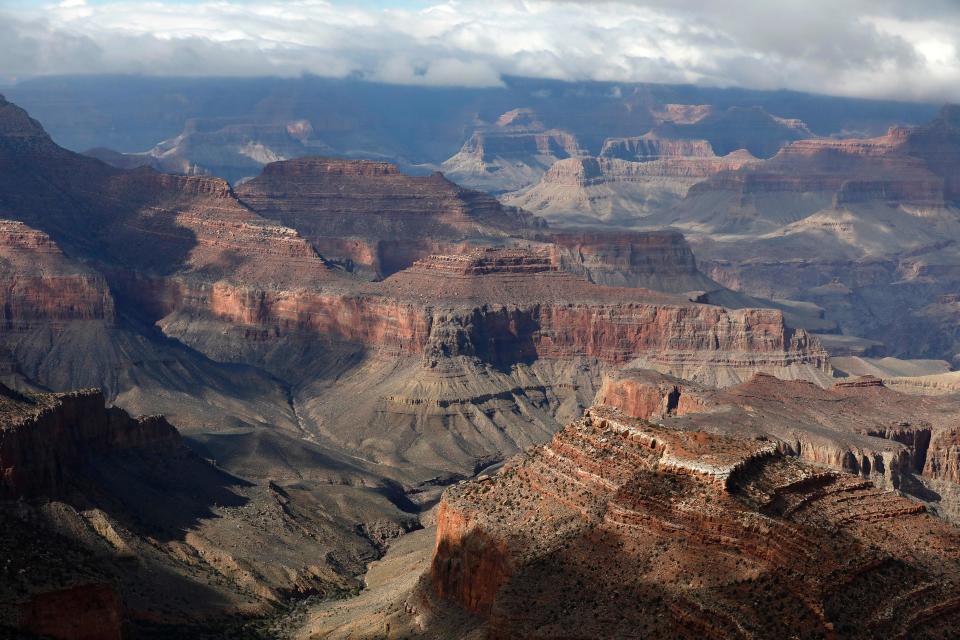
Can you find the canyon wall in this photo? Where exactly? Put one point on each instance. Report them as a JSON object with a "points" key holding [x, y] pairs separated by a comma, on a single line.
{"points": [[629, 516], [858, 425], [444, 306], [662, 261], [43, 286], [44, 439], [389, 214]]}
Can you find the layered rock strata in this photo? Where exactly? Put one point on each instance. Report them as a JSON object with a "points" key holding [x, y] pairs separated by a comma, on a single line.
{"points": [[657, 260], [858, 426], [506, 306], [615, 526], [43, 286], [391, 217], [511, 153], [613, 189]]}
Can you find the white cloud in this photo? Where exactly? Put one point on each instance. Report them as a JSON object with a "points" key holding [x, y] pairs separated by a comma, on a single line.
{"points": [[856, 47]]}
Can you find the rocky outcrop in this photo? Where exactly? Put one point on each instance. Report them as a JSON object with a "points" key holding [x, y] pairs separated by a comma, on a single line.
{"points": [[943, 457], [621, 512], [43, 286], [510, 154], [44, 439], [649, 395], [610, 188], [858, 426], [391, 216], [657, 260]]}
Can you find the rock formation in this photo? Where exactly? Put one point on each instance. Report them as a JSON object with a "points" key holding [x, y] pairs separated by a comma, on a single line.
{"points": [[370, 216], [661, 261], [616, 527], [41, 285], [633, 178], [111, 519], [858, 426], [510, 154], [232, 151]]}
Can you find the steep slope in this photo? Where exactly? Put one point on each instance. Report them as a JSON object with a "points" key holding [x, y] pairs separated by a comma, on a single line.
{"points": [[611, 189], [510, 154], [859, 425], [371, 217], [615, 528], [110, 520]]}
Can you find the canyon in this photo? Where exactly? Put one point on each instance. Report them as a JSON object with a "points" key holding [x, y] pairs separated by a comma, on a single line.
{"points": [[113, 526], [598, 404], [615, 525], [846, 224]]}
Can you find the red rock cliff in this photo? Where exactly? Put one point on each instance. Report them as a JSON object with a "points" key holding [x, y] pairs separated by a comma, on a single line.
{"points": [[506, 307], [619, 525], [45, 436], [42, 285]]}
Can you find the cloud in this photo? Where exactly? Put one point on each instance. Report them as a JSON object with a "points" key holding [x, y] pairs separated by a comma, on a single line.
{"points": [[875, 48]]}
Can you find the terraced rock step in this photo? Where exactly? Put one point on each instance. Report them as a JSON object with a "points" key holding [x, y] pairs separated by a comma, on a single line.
{"points": [[619, 526]]}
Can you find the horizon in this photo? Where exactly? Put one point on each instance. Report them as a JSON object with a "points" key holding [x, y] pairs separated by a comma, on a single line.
{"points": [[860, 49]]}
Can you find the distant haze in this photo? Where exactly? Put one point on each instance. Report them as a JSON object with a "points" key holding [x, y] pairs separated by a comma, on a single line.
{"points": [[865, 48]]}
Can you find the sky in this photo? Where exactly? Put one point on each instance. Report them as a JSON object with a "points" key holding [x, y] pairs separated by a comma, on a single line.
{"points": [[868, 48]]}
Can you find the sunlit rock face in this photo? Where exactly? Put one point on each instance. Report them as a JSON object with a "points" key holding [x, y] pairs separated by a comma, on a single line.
{"points": [[680, 533]]}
